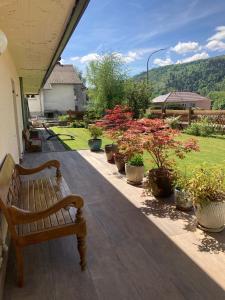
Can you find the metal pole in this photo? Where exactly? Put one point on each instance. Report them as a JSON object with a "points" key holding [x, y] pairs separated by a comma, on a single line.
{"points": [[156, 51]]}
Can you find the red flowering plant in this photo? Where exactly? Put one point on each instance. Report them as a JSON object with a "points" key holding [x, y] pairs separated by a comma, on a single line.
{"points": [[161, 142], [116, 121]]}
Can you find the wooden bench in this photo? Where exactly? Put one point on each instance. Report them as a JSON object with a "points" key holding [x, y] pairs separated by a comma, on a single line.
{"points": [[31, 144], [38, 210]]}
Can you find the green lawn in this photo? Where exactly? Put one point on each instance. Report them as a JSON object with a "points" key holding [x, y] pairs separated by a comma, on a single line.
{"points": [[212, 149]]}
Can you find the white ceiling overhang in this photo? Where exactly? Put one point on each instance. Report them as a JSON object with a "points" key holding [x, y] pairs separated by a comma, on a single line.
{"points": [[37, 32]]}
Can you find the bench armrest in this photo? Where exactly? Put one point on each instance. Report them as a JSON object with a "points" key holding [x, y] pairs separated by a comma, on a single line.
{"points": [[20, 216], [48, 164]]}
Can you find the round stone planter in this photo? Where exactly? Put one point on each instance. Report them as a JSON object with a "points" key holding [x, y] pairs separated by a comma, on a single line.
{"points": [[211, 217], [134, 174], [95, 144], [183, 200], [110, 151]]}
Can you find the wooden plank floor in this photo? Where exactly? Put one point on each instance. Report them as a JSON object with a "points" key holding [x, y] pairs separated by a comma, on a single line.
{"points": [[136, 249]]}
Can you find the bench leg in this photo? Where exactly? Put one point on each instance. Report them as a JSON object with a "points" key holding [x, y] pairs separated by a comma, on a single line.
{"points": [[81, 246], [19, 260]]}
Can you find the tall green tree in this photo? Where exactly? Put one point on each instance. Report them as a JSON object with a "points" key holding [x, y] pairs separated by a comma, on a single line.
{"points": [[137, 96], [105, 79]]}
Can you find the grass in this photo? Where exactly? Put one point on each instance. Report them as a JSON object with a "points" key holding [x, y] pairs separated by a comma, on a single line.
{"points": [[80, 142], [212, 149]]}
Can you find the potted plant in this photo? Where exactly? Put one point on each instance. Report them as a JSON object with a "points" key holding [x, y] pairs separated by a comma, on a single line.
{"points": [[114, 123], [183, 199], [161, 142], [110, 150], [134, 169], [207, 189], [120, 159], [95, 142]]}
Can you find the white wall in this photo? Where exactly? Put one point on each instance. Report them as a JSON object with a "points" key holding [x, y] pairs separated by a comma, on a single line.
{"points": [[61, 98], [35, 106], [8, 133], [8, 136]]}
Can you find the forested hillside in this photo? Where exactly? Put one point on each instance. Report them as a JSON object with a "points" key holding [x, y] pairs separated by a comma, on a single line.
{"points": [[206, 77]]}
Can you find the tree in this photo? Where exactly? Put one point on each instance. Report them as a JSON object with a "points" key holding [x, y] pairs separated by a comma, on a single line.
{"points": [[106, 78], [218, 99], [137, 96]]}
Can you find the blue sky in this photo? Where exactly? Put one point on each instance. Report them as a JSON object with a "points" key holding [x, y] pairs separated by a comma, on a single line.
{"points": [[189, 29]]}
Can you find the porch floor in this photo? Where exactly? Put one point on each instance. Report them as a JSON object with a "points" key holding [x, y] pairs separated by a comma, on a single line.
{"points": [[138, 248]]}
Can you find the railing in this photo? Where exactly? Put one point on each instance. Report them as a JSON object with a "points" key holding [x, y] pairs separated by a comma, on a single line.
{"points": [[190, 115]]}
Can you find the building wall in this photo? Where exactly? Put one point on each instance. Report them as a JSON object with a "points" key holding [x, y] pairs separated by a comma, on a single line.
{"points": [[62, 98], [8, 134], [35, 106]]}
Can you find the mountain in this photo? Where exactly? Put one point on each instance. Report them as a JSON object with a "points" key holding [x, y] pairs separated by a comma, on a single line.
{"points": [[206, 77]]}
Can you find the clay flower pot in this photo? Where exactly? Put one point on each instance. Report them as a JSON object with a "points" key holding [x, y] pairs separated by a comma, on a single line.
{"points": [[160, 182], [95, 144], [120, 162], [110, 151]]}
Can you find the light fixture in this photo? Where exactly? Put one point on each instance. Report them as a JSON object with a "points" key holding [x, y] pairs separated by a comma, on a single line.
{"points": [[3, 42]]}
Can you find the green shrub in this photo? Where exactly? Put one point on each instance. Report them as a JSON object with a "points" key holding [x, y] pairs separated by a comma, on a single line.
{"points": [[63, 118], [173, 122], [136, 160], [201, 128], [78, 124], [95, 131]]}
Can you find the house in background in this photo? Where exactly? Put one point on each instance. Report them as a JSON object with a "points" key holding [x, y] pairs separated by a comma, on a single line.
{"points": [[63, 91], [182, 100]]}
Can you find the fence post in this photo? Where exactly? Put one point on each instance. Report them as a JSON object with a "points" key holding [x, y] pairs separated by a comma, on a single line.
{"points": [[190, 112], [163, 112]]}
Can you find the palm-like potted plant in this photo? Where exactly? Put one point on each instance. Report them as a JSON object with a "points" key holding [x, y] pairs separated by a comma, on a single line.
{"points": [[207, 189], [134, 169], [95, 142]]}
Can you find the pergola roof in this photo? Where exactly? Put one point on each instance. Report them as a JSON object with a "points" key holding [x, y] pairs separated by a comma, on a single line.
{"points": [[37, 33], [179, 97]]}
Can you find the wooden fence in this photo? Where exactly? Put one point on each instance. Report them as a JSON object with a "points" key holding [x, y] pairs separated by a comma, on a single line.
{"points": [[190, 115]]}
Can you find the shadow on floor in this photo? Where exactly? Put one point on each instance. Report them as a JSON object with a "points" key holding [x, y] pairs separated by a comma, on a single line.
{"points": [[128, 256]]}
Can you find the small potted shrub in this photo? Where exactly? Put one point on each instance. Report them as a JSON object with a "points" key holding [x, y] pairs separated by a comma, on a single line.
{"points": [[183, 199], [95, 142], [134, 169], [207, 189]]}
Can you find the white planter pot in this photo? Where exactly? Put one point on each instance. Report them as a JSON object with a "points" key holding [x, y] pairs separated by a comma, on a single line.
{"points": [[211, 217], [183, 200], [134, 174]]}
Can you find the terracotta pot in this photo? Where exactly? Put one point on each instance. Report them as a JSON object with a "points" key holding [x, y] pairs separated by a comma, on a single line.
{"points": [[95, 144], [109, 151], [160, 182], [134, 174], [211, 217], [183, 200], [120, 163]]}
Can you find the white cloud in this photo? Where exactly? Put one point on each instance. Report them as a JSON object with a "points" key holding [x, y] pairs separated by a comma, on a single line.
{"points": [[182, 48], [216, 42], [195, 57], [163, 62], [220, 35], [75, 58]]}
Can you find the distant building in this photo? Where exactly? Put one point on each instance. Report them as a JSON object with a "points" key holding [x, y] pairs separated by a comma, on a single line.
{"points": [[63, 91], [182, 100]]}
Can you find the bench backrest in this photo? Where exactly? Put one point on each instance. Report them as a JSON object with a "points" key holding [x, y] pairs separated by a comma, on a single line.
{"points": [[9, 185]]}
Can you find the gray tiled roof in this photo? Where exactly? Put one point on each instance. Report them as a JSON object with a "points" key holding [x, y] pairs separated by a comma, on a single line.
{"points": [[63, 74], [179, 97]]}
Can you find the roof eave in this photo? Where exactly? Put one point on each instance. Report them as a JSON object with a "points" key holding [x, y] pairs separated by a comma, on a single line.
{"points": [[76, 14]]}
